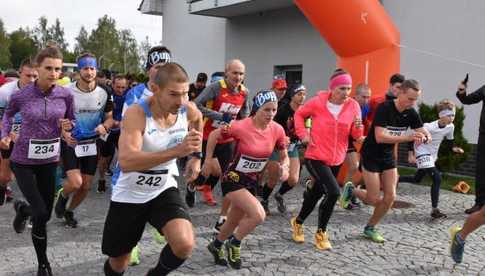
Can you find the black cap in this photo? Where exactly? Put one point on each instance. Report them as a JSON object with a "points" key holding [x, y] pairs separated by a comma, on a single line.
{"points": [[202, 77], [158, 54]]}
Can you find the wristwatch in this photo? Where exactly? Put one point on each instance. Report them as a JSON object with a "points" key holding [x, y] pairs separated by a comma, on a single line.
{"points": [[197, 154]]}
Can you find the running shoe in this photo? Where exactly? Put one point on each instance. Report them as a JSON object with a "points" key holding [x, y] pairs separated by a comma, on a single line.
{"points": [[9, 194], [108, 172], [457, 245], [346, 195], [20, 219], [101, 186], [280, 203], [134, 256], [298, 234], [159, 238], [218, 254], [44, 270], [69, 219], [219, 224], [371, 233], [321, 240], [233, 255], [3, 192], [265, 205], [473, 209], [61, 203], [190, 196], [437, 214]]}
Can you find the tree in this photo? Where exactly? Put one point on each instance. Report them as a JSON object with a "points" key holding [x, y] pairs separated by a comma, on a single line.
{"points": [[56, 34], [128, 51], [22, 46], [4, 48], [104, 43], [41, 33], [143, 49], [82, 41]]}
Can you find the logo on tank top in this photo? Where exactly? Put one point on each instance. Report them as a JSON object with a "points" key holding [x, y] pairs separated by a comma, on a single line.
{"points": [[151, 131], [174, 141]]}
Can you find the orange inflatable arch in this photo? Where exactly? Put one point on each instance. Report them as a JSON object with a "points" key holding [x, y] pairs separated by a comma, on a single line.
{"points": [[363, 37]]}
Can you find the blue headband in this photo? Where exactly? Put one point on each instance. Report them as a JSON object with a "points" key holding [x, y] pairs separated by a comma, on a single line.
{"points": [[87, 62], [263, 97]]}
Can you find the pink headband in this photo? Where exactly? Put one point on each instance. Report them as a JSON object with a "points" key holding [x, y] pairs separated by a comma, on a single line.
{"points": [[344, 79]]}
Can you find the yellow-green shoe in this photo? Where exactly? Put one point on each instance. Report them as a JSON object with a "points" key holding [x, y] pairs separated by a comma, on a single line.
{"points": [[371, 233], [157, 236], [135, 256]]}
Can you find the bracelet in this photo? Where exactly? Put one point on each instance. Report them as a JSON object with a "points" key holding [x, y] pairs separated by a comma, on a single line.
{"points": [[196, 154]]}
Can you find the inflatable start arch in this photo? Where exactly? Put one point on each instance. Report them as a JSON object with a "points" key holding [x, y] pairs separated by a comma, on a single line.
{"points": [[362, 35], [364, 39]]}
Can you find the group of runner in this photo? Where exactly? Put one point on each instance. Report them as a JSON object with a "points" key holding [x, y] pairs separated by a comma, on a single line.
{"points": [[242, 141]]}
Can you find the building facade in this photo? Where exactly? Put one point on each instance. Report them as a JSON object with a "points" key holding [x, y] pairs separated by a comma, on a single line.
{"points": [[440, 41]]}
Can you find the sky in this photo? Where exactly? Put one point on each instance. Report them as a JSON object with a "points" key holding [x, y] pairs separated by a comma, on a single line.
{"points": [[76, 13]]}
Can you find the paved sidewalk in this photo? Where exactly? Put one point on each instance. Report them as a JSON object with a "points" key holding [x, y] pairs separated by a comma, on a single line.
{"points": [[415, 245]]}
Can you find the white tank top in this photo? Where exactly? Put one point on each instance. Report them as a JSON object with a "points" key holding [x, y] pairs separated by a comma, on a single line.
{"points": [[143, 186]]}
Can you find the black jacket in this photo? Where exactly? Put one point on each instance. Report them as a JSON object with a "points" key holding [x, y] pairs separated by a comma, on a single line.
{"points": [[473, 98]]}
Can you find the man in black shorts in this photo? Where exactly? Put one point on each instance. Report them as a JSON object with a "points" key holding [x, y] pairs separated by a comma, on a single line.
{"points": [[390, 126], [154, 134]]}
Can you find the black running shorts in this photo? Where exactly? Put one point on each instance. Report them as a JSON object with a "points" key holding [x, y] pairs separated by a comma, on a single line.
{"points": [[70, 161], [377, 165], [233, 180], [125, 222]]}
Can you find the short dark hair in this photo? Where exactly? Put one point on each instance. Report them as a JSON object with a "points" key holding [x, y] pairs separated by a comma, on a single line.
{"points": [[26, 62], [120, 77], [48, 52], [397, 78], [410, 84], [170, 72], [338, 72]]}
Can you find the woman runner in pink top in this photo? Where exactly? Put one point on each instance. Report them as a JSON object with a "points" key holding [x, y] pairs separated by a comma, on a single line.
{"points": [[256, 137], [334, 116]]}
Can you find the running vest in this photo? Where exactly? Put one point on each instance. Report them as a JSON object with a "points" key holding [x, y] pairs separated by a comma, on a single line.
{"points": [[143, 186], [89, 107], [226, 102]]}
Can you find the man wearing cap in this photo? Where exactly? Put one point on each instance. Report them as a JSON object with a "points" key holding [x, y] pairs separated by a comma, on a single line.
{"points": [[198, 86], [221, 102], [157, 56], [93, 112], [279, 87], [284, 117]]}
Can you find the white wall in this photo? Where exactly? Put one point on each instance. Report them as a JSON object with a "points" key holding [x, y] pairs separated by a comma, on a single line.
{"points": [[280, 37], [450, 29], [197, 42]]}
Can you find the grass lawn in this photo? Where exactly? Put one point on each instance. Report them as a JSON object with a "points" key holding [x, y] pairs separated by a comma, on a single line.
{"points": [[447, 181]]}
